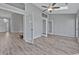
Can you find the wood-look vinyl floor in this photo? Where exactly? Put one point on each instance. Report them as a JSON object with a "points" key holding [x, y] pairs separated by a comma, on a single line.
{"points": [[11, 44]]}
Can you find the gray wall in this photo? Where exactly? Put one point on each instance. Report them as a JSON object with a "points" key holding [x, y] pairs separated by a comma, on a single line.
{"points": [[16, 23], [63, 24], [50, 19], [35, 14], [77, 24], [2, 24], [37, 22]]}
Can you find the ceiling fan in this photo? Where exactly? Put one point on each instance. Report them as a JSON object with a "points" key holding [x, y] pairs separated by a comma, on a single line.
{"points": [[51, 7]]}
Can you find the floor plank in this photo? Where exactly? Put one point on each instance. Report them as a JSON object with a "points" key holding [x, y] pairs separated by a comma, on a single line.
{"points": [[11, 44]]}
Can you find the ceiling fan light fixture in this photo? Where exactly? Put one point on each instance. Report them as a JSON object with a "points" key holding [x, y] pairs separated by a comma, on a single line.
{"points": [[50, 9]]}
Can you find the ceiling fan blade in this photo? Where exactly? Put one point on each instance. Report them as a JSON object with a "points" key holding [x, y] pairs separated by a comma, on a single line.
{"points": [[55, 7], [45, 6], [44, 10], [53, 4]]}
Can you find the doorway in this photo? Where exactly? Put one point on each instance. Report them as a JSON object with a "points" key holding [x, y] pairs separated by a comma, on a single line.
{"points": [[4, 25], [44, 23], [49, 27]]}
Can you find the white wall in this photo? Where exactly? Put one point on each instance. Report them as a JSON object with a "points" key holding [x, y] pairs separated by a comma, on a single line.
{"points": [[63, 24], [16, 23]]}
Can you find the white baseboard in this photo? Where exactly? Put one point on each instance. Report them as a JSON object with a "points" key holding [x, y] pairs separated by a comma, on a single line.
{"points": [[36, 36], [65, 36], [28, 41], [51, 33]]}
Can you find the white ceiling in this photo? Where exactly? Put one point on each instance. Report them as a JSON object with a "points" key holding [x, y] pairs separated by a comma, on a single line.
{"points": [[72, 8], [4, 13], [18, 5]]}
